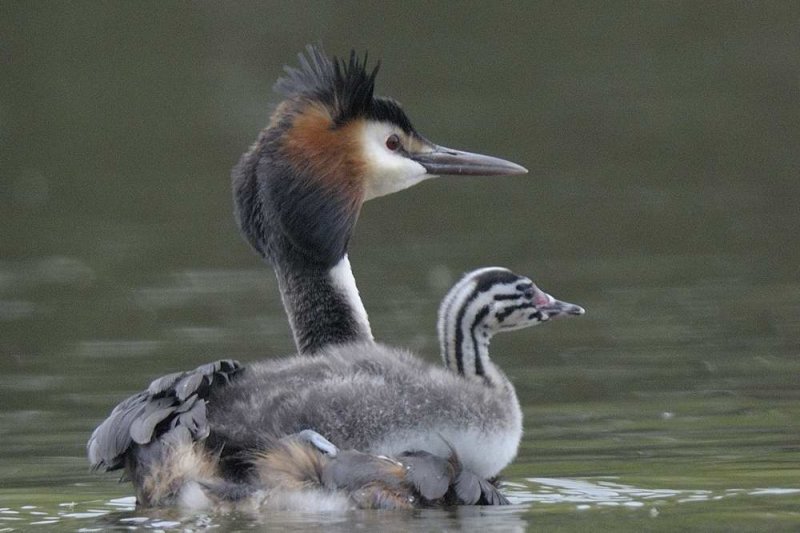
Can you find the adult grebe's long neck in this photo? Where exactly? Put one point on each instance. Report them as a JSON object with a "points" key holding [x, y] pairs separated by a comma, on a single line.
{"points": [[302, 228], [323, 305]]}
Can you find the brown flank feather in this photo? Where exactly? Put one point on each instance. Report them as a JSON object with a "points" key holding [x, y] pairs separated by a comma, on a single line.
{"points": [[185, 463]]}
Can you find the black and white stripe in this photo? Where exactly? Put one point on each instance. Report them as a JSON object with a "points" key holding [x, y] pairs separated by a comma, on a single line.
{"points": [[482, 303]]}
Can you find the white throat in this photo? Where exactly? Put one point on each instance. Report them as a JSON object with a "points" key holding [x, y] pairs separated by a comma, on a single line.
{"points": [[344, 282]]}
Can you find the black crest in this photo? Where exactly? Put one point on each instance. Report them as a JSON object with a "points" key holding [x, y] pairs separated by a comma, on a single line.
{"points": [[346, 87]]}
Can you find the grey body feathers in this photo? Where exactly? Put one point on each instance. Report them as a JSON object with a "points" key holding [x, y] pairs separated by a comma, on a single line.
{"points": [[372, 398], [362, 396]]}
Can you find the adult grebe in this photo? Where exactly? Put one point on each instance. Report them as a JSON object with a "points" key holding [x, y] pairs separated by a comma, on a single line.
{"points": [[330, 146]]}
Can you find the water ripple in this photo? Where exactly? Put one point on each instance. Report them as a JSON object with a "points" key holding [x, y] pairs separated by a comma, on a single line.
{"points": [[587, 493]]}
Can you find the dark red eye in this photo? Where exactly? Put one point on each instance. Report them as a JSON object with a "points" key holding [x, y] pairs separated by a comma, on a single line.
{"points": [[393, 142]]}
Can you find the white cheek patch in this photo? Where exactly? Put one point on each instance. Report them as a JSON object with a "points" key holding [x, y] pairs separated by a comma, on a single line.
{"points": [[386, 171]]}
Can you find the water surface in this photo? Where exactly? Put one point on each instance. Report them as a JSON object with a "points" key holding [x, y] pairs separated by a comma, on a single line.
{"points": [[662, 197]]}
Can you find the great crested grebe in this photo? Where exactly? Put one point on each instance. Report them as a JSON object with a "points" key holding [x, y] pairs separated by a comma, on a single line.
{"points": [[447, 419], [330, 146]]}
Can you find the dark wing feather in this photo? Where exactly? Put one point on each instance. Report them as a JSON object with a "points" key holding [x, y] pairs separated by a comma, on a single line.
{"points": [[194, 420], [154, 412], [188, 385], [172, 407], [468, 487], [164, 383], [431, 475], [491, 495]]}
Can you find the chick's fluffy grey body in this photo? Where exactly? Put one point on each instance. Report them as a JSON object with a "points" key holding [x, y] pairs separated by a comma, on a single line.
{"points": [[372, 398]]}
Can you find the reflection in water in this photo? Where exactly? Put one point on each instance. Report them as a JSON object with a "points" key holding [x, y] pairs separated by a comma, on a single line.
{"points": [[528, 497]]}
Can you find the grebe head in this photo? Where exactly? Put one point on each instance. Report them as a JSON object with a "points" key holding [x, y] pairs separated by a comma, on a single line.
{"points": [[498, 300], [331, 144]]}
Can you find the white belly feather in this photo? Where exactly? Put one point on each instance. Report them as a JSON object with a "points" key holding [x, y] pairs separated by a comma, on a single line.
{"points": [[485, 454]]}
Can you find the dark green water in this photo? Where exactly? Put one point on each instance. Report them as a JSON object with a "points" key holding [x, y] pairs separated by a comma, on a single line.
{"points": [[662, 141]]}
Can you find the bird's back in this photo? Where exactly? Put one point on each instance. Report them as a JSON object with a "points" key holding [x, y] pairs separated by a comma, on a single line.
{"points": [[371, 398]]}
